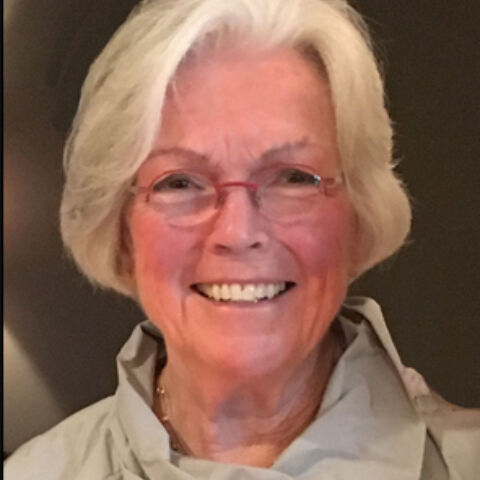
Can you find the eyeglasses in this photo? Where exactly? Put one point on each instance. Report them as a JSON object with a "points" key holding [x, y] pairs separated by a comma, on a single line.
{"points": [[286, 193]]}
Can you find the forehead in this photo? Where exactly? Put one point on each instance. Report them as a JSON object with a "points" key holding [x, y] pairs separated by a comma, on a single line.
{"points": [[233, 104]]}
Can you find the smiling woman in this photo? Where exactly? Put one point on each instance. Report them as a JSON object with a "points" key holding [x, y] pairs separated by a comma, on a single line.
{"points": [[309, 244], [230, 168]]}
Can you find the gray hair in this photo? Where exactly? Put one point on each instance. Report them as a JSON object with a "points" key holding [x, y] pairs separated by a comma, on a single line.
{"points": [[119, 116]]}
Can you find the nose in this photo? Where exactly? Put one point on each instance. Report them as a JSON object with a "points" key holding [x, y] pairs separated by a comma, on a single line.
{"points": [[238, 227]]}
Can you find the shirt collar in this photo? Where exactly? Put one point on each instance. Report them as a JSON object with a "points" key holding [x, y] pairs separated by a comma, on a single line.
{"points": [[366, 425]]}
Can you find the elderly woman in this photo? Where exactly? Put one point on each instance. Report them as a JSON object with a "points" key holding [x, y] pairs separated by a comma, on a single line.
{"points": [[230, 168]]}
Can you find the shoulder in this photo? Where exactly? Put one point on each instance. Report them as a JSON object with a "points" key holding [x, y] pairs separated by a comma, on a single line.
{"points": [[453, 432], [79, 442]]}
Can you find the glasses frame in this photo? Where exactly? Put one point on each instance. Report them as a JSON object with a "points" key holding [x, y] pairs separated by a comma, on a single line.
{"points": [[326, 183]]}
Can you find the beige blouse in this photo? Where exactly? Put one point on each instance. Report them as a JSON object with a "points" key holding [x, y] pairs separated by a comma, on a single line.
{"points": [[378, 421]]}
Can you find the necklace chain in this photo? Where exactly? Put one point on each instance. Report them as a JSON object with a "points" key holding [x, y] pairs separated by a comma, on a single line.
{"points": [[176, 443]]}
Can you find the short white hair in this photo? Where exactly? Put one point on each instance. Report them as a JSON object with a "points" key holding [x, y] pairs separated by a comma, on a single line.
{"points": [[119, 116]]}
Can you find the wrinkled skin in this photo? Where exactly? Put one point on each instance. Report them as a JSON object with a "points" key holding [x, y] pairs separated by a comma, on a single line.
{"points": [[231, 108]]}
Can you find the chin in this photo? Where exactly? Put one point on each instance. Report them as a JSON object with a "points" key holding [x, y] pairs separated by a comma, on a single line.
{"points": [[244, 357]]}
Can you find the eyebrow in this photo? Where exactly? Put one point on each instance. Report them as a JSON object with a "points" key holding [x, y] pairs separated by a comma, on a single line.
{"points": [[268, 155], [287, 147], [179, 152]]}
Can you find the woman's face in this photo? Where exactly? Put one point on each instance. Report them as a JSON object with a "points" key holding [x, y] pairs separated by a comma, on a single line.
{"points": [[230, 109]]}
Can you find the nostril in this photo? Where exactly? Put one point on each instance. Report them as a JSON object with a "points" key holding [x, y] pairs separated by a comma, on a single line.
{"points": [[228, 247]]}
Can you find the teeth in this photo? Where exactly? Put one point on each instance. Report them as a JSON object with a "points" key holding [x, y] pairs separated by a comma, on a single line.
{"points": [[225, 292], [271, 290], [260, 291], [237, 293], [215, 292], [249, 293]]}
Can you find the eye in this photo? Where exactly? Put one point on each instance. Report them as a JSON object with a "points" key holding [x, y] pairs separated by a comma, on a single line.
{"points": [[176, 182], [295, 177]]}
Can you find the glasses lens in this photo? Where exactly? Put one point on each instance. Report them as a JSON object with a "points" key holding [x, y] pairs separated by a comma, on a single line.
{"points": [[185, 198], [289, 192]]}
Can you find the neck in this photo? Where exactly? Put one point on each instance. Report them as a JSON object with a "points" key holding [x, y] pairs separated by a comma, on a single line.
{"points": [[223, 417]]}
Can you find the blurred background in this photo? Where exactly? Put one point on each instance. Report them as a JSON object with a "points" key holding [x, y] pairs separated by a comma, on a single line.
{"points": [[61, 337]]}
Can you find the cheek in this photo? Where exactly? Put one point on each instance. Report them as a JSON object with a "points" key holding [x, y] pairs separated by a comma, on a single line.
{"points": [[322, 251], [324, 245], [157, 249]]}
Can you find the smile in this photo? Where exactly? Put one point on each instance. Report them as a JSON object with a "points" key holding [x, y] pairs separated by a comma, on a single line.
{"points": [[235, 292]]}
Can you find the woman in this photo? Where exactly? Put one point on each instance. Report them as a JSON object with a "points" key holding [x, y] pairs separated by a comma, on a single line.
{"points": [[230, 168]]}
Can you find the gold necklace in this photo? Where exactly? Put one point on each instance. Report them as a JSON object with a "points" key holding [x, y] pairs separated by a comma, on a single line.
{"points": [[176, 443]]}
